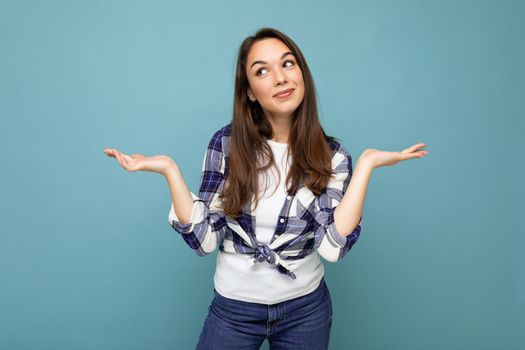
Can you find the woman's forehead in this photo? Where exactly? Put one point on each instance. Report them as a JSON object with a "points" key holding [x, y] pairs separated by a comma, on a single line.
{"points": [[267, 50]]}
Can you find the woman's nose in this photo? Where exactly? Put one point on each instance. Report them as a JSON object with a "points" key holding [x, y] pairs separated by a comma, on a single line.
{"points": [[280, 77]]}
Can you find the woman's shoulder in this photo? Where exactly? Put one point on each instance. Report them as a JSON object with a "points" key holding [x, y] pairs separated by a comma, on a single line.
{"points": [[336, 147], [220, 139], [224, 131]]}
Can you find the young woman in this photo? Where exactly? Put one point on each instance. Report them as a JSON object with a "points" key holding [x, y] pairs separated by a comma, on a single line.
{"points": [[276, 194]]}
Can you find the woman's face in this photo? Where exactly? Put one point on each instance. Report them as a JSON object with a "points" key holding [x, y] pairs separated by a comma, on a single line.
{"points": [[271, 69]]}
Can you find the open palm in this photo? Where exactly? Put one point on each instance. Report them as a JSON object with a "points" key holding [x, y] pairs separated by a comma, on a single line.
{"points": [[384, 158], [138, 162]]}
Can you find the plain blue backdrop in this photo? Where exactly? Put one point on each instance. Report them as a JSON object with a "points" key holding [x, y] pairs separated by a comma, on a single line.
{"points": [[87, 257]]}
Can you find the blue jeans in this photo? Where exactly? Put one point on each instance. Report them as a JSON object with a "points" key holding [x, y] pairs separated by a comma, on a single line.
{"points": [[299, 323]]}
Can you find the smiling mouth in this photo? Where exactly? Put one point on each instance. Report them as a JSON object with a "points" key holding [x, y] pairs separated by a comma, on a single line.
{"points": [[285, 93]]}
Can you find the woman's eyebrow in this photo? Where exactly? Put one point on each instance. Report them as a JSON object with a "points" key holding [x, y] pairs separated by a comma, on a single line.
{"points": [[263, 62]]}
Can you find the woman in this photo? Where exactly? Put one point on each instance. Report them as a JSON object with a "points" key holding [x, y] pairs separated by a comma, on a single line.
{"points": [[272, 218]]}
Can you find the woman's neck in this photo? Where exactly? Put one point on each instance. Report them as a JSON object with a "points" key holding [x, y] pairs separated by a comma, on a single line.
{"points": [[280, 127]]}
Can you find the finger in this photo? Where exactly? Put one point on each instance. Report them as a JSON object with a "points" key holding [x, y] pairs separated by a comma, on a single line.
{"points": [[129, 166], [123, 156], [417, 146], [420, 154], [137, 156], [407, 155], [121, 160], [109, 152], [415, 149], [126, 157], [118, 158]]}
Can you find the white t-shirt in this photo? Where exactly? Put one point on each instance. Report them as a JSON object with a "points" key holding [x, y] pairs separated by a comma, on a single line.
{"points": [[262, 283]]}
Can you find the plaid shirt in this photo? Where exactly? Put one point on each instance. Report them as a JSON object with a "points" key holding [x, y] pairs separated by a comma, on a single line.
{"points": [[306, 222]]}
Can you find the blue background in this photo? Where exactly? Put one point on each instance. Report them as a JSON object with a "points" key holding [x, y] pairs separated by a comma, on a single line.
{"points": [[87, 257]]}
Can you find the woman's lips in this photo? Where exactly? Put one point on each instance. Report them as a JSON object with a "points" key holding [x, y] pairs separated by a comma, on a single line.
{"points": [[284, 94]]}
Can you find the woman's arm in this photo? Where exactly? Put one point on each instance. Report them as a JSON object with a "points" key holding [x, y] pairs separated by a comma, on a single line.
{"points": [[348, 213], [203, 225], [180, 194], [199, 219]]}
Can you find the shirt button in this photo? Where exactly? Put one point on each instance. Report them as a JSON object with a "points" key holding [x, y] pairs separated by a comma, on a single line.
{"points": [[281, 220], [288, 197]]}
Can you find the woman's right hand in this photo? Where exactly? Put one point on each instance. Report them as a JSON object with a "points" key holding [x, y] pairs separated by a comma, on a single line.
{"points": [[138, 162]]}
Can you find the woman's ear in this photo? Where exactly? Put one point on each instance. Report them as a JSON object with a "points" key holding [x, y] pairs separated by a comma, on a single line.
{"points": [[250, 95]]}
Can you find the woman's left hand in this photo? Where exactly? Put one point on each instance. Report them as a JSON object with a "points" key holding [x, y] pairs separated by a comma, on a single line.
{"points": [[377, 158]]}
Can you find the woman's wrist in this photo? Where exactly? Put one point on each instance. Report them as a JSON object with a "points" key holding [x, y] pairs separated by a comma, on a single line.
{"points": [[364, 161], [171, 170]]}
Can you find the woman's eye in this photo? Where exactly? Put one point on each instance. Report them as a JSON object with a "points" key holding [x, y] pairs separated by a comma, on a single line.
{"points": [[259, 71]]}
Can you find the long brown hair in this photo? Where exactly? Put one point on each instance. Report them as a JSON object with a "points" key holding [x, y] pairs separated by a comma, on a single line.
{"points": [[307, 142]]}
